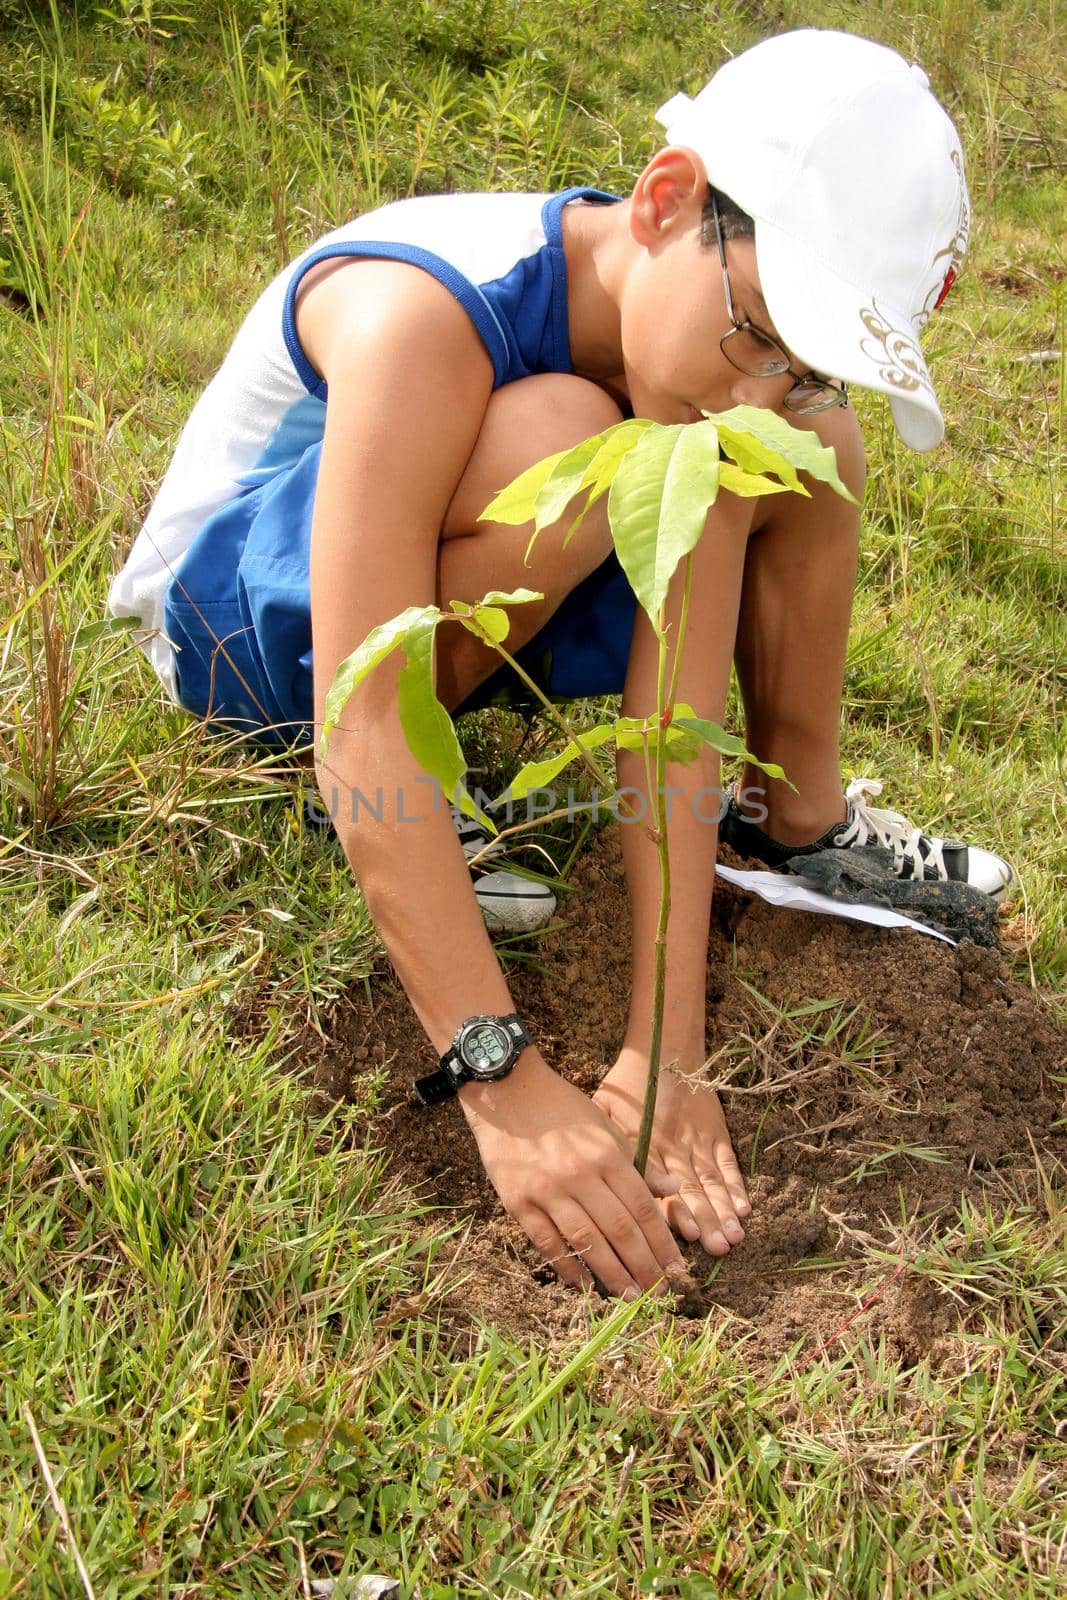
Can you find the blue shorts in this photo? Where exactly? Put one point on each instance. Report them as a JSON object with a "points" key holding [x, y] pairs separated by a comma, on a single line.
{"points": [[238, 613]]}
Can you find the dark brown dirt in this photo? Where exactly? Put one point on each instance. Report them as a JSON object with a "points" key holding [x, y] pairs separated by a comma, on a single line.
{"points": [[911, 1042]]}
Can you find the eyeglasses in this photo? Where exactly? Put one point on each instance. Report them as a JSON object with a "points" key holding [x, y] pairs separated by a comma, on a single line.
{"points": [[751, 351]]}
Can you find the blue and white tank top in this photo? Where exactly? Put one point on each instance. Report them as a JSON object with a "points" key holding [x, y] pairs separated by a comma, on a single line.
{"points": [[501, 255]]}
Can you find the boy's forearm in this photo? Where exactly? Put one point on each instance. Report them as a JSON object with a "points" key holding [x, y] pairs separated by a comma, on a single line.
{"points": [[396, 831]]}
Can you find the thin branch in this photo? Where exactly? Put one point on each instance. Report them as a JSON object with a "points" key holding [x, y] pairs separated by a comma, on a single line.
{"points": [[561, 722]]}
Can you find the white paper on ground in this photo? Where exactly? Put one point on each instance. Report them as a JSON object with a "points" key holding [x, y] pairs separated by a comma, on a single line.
{"points": [[782, 889]]}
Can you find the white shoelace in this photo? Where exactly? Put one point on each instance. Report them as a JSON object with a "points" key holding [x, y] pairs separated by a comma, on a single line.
{"points": [[892, 831]]}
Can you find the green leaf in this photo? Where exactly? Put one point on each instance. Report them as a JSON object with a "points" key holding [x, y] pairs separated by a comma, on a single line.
{"points": [[427, 726], [559, 489], [767, 1451], [753, 456], [563, 483], [89, 632], [602, 468], [379, 643], [298, 1435], [616, 442], [487, 615], [576, 524], [682, 745], [728, 744], [800, 448], [630, 732], [748, 484], [543, 492], [20, 783], [493, 620], [509, 597], [658, 505], [695, 1587], [538, 774], [516, 502], [350, 1434], [349, 1509]]}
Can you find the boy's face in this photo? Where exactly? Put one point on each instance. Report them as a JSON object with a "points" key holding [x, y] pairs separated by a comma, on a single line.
{"points": [[673, 305]]}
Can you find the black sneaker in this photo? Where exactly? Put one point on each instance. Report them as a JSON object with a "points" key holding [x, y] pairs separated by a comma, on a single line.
{"points": [[915, 854]]}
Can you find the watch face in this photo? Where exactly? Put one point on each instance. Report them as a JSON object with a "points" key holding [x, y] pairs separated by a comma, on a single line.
{"points": [[485, 1047]]}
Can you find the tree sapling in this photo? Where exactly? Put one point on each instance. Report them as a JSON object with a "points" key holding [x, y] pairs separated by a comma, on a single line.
{"points": [[661, 481]]}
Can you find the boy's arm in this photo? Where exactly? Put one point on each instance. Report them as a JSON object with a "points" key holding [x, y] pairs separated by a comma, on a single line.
{"points": [[409, 382]]}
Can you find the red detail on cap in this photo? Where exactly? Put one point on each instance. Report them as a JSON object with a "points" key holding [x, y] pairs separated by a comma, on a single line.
{"points": [[950, 278]]}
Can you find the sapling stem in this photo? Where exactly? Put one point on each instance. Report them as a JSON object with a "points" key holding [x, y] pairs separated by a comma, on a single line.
{"points": [[683, 620], [659, 981]]}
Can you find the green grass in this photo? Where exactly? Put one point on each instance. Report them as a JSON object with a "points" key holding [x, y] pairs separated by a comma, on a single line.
{"points": [[226, 1330]]}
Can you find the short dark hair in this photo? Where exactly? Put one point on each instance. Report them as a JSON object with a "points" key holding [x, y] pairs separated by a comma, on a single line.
{"points": [[735, 223]]}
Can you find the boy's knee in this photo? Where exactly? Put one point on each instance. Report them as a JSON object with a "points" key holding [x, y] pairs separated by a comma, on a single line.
{"points": [[569, 409], [559, 407], [524, 422]]}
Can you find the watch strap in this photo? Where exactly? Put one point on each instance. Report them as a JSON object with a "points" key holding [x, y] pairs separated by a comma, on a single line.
{"points": [[434, 1087]]}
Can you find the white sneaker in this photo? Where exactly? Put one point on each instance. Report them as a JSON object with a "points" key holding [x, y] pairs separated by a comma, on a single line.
{"points": [[510, 903]]}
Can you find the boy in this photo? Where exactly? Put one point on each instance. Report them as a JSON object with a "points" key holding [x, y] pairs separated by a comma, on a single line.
{"points": [[804, 219]]}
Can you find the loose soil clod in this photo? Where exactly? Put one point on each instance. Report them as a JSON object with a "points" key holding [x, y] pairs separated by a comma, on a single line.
{"points": [[932, 1077]]}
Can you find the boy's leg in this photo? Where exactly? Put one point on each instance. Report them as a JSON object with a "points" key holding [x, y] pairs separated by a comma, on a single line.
{"points": [[524, 422], [792, 637], [796, 605]]}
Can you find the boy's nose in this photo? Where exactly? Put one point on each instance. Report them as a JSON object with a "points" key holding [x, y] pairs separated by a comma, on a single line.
{"points": [[766, 392]]}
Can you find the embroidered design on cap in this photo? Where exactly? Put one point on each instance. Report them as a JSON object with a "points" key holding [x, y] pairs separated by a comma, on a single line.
{"points": [[896, 352]]}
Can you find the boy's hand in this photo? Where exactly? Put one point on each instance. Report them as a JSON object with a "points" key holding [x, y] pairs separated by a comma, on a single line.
{"points": [[566, 1173], [690, 1142]]}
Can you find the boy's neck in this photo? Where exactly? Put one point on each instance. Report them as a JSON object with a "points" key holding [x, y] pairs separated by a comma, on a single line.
{"points": [[595, 241]]}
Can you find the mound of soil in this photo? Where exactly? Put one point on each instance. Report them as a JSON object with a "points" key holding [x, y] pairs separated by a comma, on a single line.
{"points": [[870, 1077]]}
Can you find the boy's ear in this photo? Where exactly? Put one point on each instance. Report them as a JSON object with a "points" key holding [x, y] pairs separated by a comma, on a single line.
{"points": [[671, 190]]}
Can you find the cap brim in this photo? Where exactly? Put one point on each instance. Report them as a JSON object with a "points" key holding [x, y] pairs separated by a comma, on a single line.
{"points": [[842, 331]]}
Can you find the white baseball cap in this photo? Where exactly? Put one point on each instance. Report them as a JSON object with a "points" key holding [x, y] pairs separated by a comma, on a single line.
{"points": [[853, 174]]}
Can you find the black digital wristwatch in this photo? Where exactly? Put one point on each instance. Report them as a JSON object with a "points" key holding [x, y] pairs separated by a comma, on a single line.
{"points": [[485, 1048]]}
